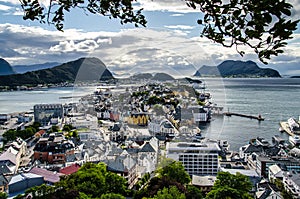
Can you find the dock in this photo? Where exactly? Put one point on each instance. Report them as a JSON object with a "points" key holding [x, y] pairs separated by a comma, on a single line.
{"points": [[259, 118]]}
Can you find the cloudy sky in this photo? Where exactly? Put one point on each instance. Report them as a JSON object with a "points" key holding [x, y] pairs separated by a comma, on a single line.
{"points": [[170, 43]]}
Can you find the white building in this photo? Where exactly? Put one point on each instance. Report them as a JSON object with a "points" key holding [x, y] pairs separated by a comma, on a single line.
{"points": [[44, 112], [275, 172], [291, 181], [197, 158], [87, 121], [154, 125]]}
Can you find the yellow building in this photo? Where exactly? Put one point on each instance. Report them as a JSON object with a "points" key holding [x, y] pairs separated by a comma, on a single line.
{"points": [[140, 119]]}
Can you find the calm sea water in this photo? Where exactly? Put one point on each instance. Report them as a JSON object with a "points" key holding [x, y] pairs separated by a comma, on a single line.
{"points": [[275, 99]]}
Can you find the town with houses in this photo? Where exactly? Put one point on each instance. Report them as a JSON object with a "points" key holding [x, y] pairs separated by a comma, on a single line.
{"points": [[131, 128]]}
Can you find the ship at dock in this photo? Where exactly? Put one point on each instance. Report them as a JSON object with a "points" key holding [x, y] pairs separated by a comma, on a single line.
{"points": [[291, 126]]}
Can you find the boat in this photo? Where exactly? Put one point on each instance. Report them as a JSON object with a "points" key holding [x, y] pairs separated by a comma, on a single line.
{"points": [[294, 125], [262, 141], [291, 127], [198, 136], [294, 139], [224, 144], [281, 130], [277, 140]]}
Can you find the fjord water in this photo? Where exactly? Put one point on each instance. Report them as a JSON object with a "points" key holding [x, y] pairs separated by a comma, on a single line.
{"points": [[276, 99]]}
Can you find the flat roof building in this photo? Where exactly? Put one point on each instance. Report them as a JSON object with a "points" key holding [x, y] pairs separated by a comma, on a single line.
{"points": [[43, 113], [197, 158]]}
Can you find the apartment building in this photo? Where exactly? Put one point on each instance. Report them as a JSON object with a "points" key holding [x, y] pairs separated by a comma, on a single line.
{"points": [[43, 113], [197, 158]]}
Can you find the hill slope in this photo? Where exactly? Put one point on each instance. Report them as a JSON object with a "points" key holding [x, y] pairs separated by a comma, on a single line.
{"points": [[83, 69], [5, 68], [232, 68], [20, 69]]}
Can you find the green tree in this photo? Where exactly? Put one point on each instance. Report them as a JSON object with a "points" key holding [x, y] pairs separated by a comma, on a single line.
{"points": [[169, 193], [54, 128], [285, 194], [90, 181], [170, 174], [112, 196], [115, 184], [175, 171], [3, 195], [68, 127], [230, 186], [10, 135], [262, 25], [193, 192]]}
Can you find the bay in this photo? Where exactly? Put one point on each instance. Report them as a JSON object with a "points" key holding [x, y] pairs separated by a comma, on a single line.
{"points": [[23, 101], [276, 99]]}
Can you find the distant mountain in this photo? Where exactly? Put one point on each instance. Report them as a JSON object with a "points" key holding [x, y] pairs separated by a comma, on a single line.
{"points": [[28, 68], [150, 76], [141, 76], [5, 68], [232, 68], [162, 77], [81, 70]]}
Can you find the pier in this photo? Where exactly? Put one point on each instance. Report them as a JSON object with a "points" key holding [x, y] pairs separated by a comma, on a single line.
{"points": [[259, 118]]}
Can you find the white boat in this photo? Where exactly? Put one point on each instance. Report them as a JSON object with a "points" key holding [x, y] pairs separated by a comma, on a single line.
{"points": [[294, 126], [224, 144], [295, 139], [262, 141]]}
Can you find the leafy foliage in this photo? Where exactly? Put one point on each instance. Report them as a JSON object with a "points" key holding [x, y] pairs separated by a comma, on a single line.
{"points": [[230, 186], [193, 192], [263, 25], [169, 193], [3, 195], [90, 181], [28, 132], [285, 194], [55, 13], [68, 127], [171, 179], [175, 172], [112, 196]]}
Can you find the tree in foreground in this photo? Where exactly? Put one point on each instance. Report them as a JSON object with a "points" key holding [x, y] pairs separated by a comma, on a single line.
{"points": [[229, 186], [169, 193], [263, 25], [171, 179], [175, 171], [3, 195], [90, 181]]}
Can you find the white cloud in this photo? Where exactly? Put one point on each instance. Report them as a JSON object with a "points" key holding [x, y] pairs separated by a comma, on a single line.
{"points": [[127, 51], [4, 7], [165, 5], [70, 46], [177, 15], [182, 27]]}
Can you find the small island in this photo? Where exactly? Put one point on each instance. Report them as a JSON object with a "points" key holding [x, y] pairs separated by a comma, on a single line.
{"points": [[236, 69]]}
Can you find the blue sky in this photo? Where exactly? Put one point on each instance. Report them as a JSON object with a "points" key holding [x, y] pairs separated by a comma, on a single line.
{"points": [[170, 43]]}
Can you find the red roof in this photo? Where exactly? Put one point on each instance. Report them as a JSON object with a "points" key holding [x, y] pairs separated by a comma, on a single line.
{"points": [[49, 176], [70, 169], [40, 132]]}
